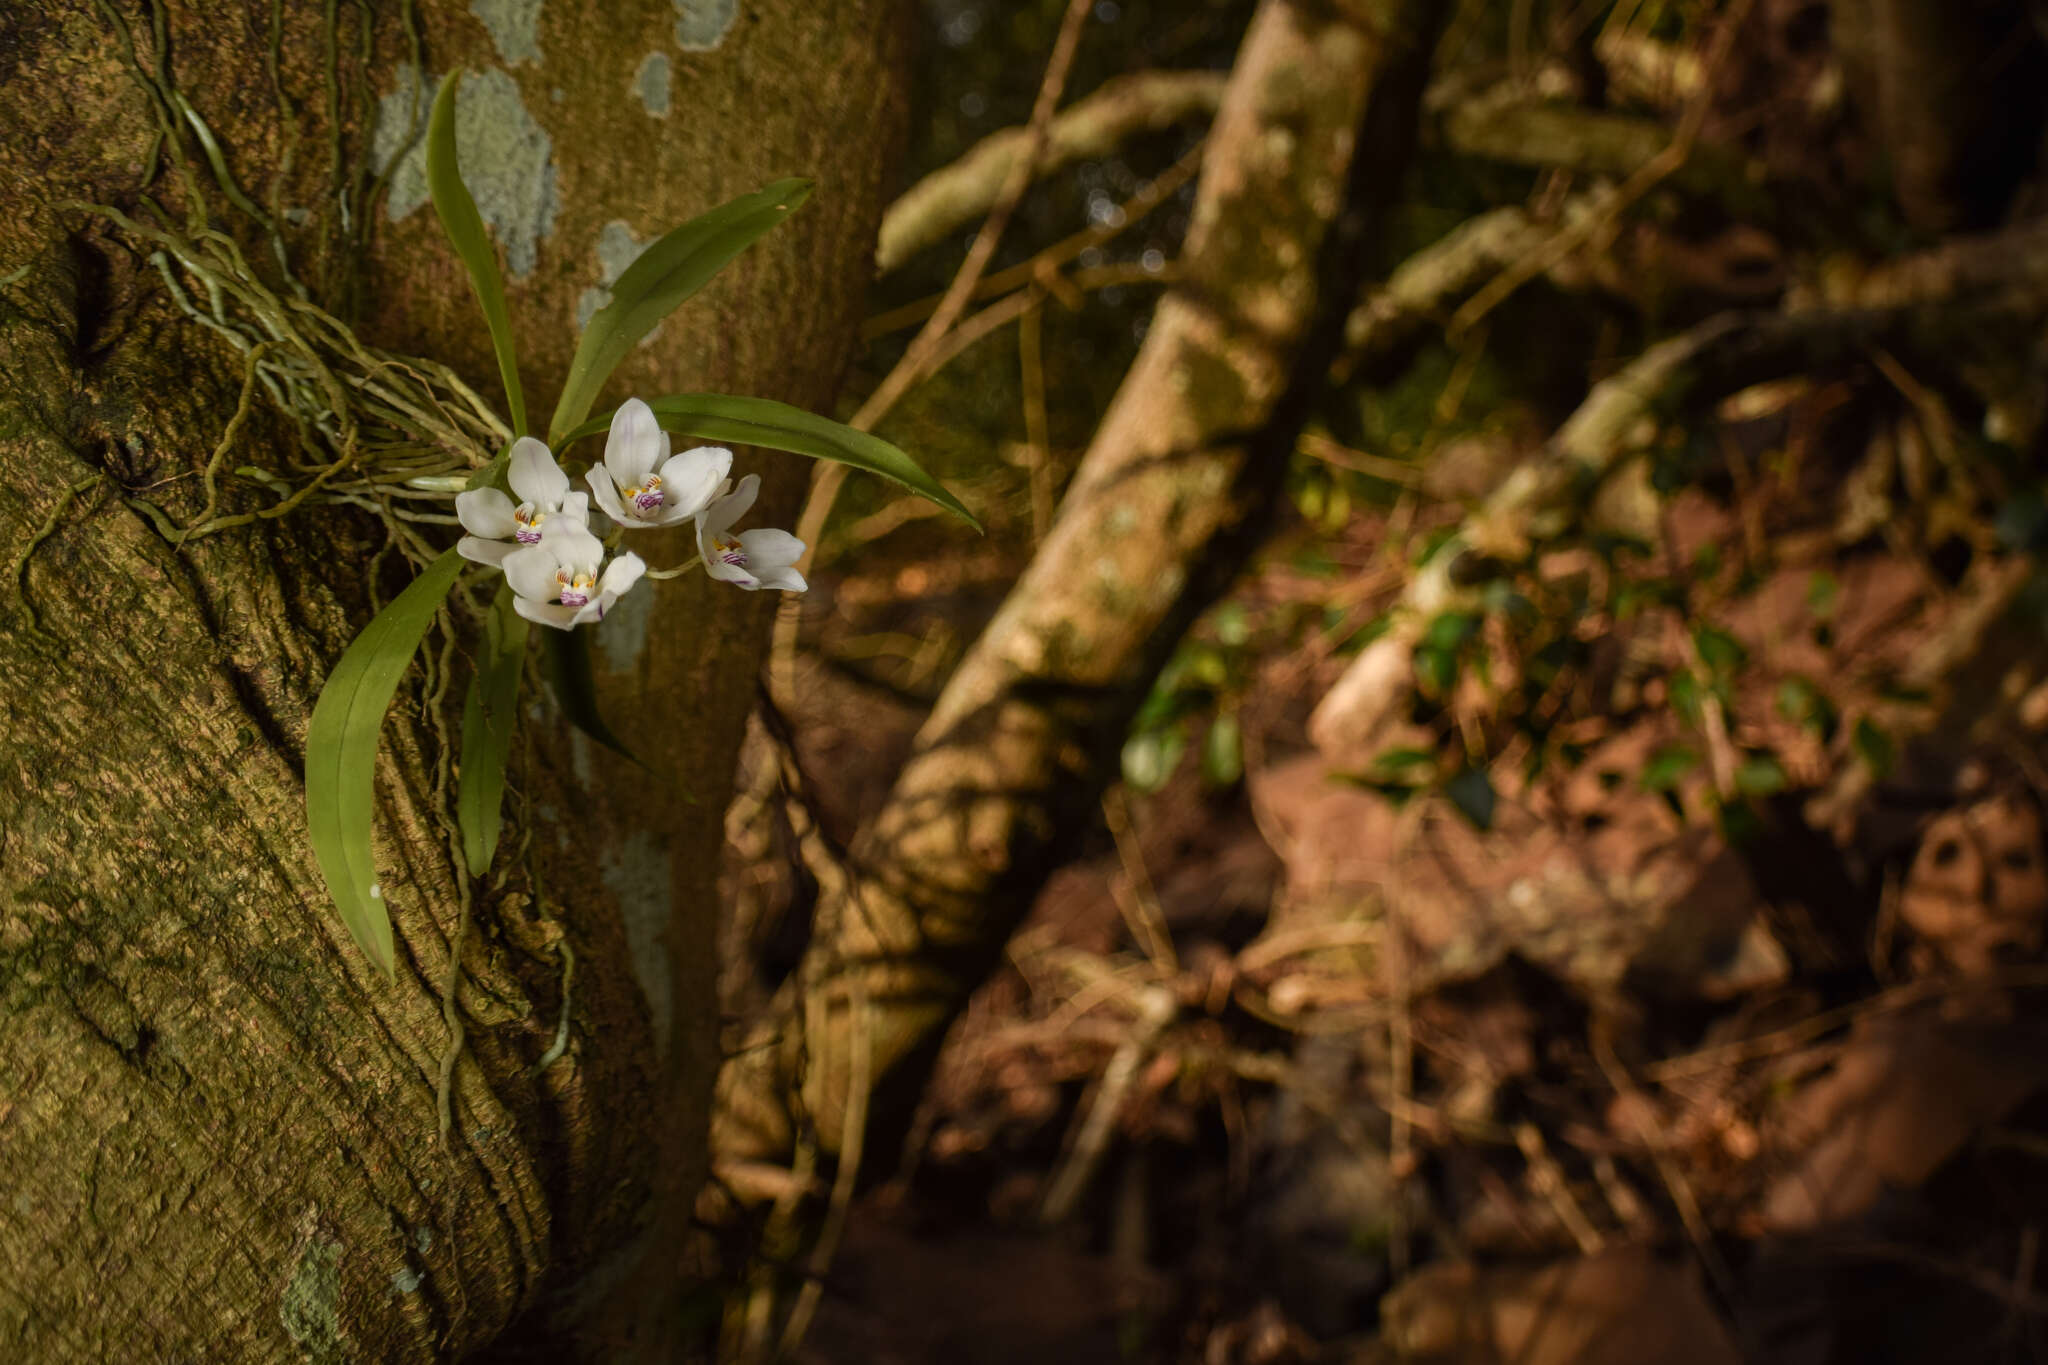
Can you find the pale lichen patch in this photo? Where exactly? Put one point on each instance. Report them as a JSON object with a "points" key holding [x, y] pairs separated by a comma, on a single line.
{"points": [[310, 1307], [617, 248], [507, 159], [514, 27], [401, 121], [636, 872], [624, 637], [650, 84], [703, 24]]}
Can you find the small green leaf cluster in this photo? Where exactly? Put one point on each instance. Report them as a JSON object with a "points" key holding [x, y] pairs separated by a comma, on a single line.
{"points": [[1195, 699]]}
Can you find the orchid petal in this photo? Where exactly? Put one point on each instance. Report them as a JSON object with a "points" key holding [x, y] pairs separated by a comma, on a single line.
{"points": [[607, 494], [531, 572], [770, 549], [621, 574], [694, 479], [575, 510], [486, 512], [786, 578], [730, 508], [636, 444], [480, 551], [666, 515], [571, 541], [546, 613], [535, 476], [731, 573]]}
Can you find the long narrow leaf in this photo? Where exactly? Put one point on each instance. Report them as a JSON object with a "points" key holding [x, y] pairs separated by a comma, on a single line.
{"points": [[488, 713], [566, 654], [341, 753], [665, 274], [778, 426], [465, 228]]}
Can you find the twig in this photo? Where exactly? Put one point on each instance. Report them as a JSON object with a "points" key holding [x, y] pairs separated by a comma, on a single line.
{"points": [[924, 352], [852, 1139], [1320, 447], [1037, 438], [1157, 1008], [1675, 1183], [1966, 624], [1548, 1178], [926, 344], [1400, 1087], [1641, 182], [2013, 1293], [1781, 1040], [1035, 270], [1141, 907]]}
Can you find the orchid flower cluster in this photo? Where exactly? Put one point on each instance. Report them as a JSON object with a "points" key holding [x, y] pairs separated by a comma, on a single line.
{"points": [[555, 564]]}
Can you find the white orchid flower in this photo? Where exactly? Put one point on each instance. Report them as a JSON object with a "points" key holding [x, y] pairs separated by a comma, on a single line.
{"points": [[752, 559], [557, 582], [497, 527], [641, 484]]}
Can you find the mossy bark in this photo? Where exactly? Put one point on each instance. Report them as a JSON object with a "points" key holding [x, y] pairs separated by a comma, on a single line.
{"points": [[218, 1125]]}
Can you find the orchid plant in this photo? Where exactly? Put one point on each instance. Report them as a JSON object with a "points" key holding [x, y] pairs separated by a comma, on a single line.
{"points": [[561, 560]]}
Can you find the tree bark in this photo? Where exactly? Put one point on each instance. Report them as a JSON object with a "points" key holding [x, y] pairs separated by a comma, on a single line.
{"points": [[1952, 94], [1314, 127], [218, 1123]]}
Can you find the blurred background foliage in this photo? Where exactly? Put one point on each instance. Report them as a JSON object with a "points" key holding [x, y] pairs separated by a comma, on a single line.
{"points": [[1694, 813]]}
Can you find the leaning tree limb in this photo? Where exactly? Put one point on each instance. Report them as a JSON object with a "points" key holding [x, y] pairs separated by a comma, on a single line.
{"points": [[1499, 125], [957, 194], [1316, 123]]}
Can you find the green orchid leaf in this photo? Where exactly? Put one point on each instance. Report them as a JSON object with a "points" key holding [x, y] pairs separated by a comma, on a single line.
{"points": [[341, 753], [566, 656], [665, 274], [488, 713], [465, 229], [778, 426]]}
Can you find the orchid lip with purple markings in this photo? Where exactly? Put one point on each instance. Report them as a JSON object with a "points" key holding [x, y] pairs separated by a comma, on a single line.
{"points": [[639, 483], [498, 527], [752, 559], [565, 581]]}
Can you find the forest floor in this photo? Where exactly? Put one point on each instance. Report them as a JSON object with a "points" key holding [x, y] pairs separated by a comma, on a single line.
{"points": [[1312, 1057]]}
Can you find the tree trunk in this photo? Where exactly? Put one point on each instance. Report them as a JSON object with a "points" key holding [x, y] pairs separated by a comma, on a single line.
{"points": [[218, 1124], [1952, 94]]}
